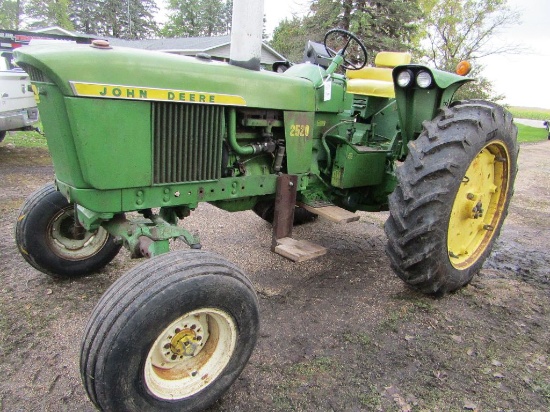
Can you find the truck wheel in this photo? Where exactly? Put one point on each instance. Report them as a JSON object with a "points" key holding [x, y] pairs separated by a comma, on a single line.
{"points": [[49, 240], [171, 334], [266, 210], [452, 197], [2, 135]]}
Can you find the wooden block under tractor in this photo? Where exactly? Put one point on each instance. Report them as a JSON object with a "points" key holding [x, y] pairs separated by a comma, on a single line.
{"points": [[298, 250], [332, 213]]}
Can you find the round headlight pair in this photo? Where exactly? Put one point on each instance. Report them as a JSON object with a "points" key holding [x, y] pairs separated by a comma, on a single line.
{"points": [[423, 79]]}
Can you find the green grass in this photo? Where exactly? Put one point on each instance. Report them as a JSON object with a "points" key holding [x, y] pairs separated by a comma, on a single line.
{"points": [[532, 113], [528, 134], [25, 139]]}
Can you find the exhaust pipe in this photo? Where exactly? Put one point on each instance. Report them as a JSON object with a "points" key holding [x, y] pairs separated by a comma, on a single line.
{"points": [[246, 33]]}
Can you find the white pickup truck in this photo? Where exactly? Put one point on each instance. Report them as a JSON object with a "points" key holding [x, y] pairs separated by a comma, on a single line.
{"points": [[18, 109]]}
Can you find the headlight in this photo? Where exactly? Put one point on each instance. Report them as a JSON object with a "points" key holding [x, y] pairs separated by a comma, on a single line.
{"points": [[404, 78], [424, 79]]}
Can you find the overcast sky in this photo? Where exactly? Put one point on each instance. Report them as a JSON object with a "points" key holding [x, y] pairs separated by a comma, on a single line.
{"points": [[524, 79]]}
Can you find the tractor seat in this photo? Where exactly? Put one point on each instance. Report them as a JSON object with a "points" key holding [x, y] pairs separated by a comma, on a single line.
{"points": [[377, 81]]}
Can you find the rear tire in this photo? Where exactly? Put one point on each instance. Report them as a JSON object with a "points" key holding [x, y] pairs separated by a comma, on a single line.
{"points": [[172, 334], [452, 197], [2, 135], [48, 239]]}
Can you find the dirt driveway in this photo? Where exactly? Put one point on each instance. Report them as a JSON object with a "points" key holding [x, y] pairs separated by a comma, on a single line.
{"points": [[340, 333]]}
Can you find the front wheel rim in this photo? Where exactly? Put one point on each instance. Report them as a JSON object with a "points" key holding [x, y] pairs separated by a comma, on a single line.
{"points": [[479, 205], [190, 354], [70, 241]]}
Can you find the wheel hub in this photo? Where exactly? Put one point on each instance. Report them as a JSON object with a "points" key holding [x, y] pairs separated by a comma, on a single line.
{"points": [[183, 339], [190, 353], [186, 342], [71, 241]]}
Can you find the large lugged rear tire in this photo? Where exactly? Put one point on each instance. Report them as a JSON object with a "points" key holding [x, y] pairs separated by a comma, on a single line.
{"points": [[49, 239], [172, 334], [452, 197]]}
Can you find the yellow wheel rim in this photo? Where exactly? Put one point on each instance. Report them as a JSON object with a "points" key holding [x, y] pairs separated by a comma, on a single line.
{"points": [[479, 205]]}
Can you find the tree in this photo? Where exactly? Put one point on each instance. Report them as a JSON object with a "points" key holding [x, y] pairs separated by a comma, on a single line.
{"points": [[458, 30], [127, 19], [380, 24], [11, 13], [289, 38], [130, 19], [193, 18], [84, 16], [42, 13]]}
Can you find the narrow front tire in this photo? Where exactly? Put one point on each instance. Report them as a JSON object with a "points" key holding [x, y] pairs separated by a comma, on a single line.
{"points": [[172, 334]]}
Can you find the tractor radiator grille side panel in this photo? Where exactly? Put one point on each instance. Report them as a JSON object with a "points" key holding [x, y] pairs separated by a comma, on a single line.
{"points": [[187, 142]]}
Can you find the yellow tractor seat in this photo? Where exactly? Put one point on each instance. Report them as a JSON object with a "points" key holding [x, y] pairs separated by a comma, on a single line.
{"points": [[377, 81]]}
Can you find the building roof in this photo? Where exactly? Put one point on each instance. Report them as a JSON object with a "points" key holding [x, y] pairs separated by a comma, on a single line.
{"points": [[177, 43], [217, 46], [62, 32]]}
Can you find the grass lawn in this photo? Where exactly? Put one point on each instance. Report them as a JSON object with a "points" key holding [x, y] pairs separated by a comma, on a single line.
{"points": [[532, 113], [25, 139], [528, 134]]}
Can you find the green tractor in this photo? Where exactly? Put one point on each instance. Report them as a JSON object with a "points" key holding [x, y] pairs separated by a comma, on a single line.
{"points": [[156, 134]]}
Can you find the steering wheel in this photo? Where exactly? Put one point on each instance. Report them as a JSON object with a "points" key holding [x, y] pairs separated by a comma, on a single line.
{"points": [[337, 34]]}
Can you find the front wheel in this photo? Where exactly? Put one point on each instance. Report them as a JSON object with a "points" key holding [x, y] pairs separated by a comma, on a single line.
{"points": [[172, 334], [50, 239], [452, 197]]}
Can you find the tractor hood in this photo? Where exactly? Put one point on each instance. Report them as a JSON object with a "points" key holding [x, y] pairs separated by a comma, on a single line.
{"points": [[125, 73]]}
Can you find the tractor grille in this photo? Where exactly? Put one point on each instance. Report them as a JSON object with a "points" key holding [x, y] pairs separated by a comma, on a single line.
{"points": [[187, 142], [35, 74]]}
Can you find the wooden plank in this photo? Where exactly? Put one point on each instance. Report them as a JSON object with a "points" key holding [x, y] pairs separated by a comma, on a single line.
{"points": [[298, 250], [332, 213]]}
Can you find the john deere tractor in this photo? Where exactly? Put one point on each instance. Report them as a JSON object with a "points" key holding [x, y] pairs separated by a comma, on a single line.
{"points": [[157, 134]]}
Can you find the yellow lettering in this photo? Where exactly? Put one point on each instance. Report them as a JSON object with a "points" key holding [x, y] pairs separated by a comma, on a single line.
{"points": [[299, 130]]}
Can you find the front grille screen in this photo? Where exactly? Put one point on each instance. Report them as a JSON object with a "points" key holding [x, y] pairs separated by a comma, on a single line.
{"points": [[187, 142]]}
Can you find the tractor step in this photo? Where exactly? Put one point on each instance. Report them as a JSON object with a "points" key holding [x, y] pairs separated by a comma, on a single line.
{"points": [[298, 250], [332, 213]]}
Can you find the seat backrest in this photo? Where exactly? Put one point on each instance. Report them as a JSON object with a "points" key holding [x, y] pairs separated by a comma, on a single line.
{"points": [[391, 59], [377, 81]]}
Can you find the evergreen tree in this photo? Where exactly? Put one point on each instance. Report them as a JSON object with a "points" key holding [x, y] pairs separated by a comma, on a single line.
{"points": [[84, 16], [42, 13], [128, 19], [381, 24], [193, 18], [290, 38]]}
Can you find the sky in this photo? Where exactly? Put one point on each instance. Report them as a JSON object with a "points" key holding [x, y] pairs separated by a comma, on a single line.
{"points": [[524, 78]]}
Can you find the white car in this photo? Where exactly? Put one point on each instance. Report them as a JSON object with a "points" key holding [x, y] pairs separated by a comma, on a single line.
{"points": [[18, 109]]}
